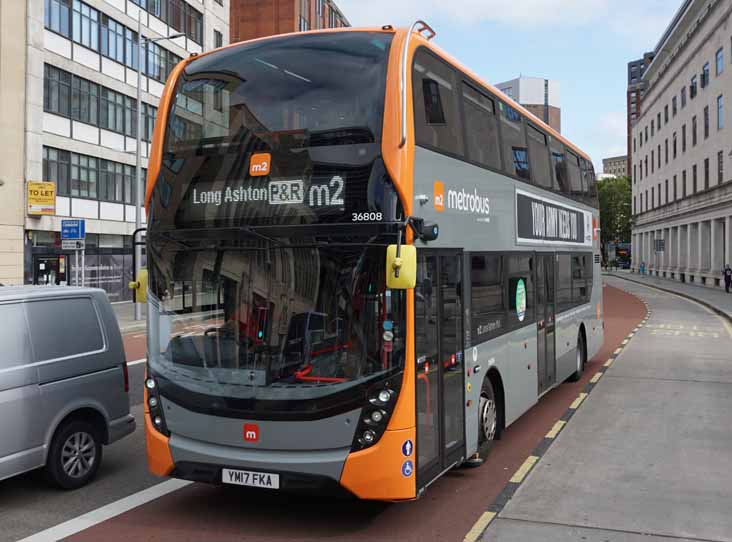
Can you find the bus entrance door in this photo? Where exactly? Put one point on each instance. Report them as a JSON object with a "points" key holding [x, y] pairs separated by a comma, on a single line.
{"points": [[545, 323], [440, 365]]}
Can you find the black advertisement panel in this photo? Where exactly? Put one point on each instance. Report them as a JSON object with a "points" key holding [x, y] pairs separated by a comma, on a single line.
{"points": [[539, 220]]}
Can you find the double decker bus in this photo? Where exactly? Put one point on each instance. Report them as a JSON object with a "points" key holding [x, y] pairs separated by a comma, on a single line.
{"points": [[363, 264]]}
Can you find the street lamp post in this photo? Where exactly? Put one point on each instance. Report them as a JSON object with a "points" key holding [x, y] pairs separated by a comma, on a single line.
{"points": [[138, 149]]}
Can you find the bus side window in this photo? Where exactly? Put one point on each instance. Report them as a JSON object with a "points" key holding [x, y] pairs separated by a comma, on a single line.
{"points": [[514, 143], [487, 302], [539, 155], [576, 189], [561, 175], [581, 282], [481, 128], [564, 282], [437, 123]]}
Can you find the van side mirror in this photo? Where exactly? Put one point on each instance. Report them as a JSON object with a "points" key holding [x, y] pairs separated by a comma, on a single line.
{"points": [[401, 272], [139, 287]]}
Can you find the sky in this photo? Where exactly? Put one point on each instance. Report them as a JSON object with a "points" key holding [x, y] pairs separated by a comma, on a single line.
{"points": [[584, 44]]}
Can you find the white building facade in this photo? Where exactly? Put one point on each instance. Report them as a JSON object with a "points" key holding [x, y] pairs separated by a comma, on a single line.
{"points": [[682, 150], [80, 120]]}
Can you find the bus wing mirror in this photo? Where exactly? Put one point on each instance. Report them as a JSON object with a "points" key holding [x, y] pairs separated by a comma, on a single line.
{"points": [[401, 271], [139, 287]]}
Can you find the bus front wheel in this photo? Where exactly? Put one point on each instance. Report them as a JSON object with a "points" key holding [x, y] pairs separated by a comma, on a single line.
{"points": [[581, 356], [488, 418]]}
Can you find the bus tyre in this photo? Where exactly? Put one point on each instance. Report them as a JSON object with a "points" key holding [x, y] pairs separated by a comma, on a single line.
{"points": [[581, 358], [487, 418], [74, 455]]}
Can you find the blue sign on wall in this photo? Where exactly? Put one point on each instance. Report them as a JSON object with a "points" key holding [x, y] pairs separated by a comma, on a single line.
{"points": [[73, 229]]}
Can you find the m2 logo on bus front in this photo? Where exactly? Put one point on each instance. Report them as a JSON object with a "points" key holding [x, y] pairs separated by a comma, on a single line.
{"points": [[260, 164]]}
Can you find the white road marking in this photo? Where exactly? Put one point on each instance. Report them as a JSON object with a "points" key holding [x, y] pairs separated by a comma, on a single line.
{"points": [[85, 521], [136, 362]]}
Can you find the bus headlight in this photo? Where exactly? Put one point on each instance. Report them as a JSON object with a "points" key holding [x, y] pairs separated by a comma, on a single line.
{"points": [[155, 406], [374, 418]]}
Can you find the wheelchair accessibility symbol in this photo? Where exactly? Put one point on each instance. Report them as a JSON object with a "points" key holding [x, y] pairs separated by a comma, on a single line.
{"points": [[407, 468]]}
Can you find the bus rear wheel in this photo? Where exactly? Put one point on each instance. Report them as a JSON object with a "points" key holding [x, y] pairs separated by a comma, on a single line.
{"points": [[487, 418], [581, 357]]}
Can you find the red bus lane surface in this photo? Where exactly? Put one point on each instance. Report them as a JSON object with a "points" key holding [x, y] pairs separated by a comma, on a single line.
{"points": [[447, 510]]}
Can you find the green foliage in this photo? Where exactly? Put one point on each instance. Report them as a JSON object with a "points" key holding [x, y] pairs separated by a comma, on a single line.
{"points": [[616, 217]]}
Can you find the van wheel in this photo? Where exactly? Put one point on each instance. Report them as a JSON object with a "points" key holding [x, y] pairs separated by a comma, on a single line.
{"points": [[487, 418], [75, 455], [581, 358]]}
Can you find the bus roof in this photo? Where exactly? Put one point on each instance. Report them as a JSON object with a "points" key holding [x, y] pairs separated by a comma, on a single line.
{"points": [[446, 56]]}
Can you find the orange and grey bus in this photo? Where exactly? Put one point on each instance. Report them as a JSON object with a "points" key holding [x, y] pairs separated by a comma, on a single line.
{"points": [[363, 264]]}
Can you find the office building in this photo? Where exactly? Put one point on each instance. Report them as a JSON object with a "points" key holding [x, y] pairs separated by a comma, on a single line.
{"points": [[539, 96], [682, 149], [252, 19], [616, 166], [68, 114], [634, 95]]}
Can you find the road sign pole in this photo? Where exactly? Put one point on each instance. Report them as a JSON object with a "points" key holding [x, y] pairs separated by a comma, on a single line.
{"points": [[83, 266], [76, 268]]}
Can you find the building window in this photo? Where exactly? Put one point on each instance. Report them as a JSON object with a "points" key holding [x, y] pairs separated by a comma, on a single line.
{"points": [[705, 75], [675, 187], [666, 190], [646, 161], [720, 167], [706, 121], [634, 208], [112, 111], [683, 184], [653, 127], [683, 97], [218, 39], [304, 15], [706, 173], [84, 101], [634, 146], [149, 114], [693, 179], [659, 156], [58, 16], [635, 172], [653, 197], [113, 39], [83, 176], [692, 88], [683, 138], [659, 194], [658, 122], [646, 138], [674, 106], [56, 169], [719, 57], [86, 25], [693, 131], [131, 48], [665, 151], [156, 62], [130, 117], [653, 161], [674, 147], [110, 181], [194, 25], [720, 112], [57, 91], [665, 114]]}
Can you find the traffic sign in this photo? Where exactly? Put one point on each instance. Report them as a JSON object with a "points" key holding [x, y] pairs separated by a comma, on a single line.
{"points": [[73, 229], [73, 244]]}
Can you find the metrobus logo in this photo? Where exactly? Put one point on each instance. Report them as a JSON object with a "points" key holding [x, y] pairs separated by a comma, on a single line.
{"points": [[259, 164], [251, 432], [461, 200]]}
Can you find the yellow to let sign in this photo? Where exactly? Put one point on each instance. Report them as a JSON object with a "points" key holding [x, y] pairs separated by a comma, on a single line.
{"points": [[41, 198]]}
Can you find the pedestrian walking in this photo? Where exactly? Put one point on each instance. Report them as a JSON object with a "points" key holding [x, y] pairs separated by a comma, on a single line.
{"points": [[727, 272]]}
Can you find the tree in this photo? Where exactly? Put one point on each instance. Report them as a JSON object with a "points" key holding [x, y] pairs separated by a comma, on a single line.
{"points": [[616, 217]]}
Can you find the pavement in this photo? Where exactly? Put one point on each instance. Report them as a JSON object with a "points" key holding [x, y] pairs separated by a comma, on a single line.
{"points": [[447, 511], [715, 297], [125, 312], [647, 456]]}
